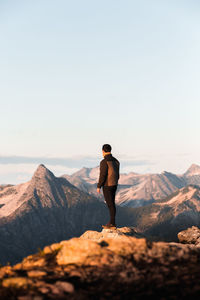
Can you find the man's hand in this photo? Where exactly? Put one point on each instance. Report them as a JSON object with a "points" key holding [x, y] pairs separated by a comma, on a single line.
{"points": [[98, 190]]}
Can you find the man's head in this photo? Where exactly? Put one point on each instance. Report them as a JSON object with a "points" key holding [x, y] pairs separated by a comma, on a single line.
{"points": [[106, 149]]}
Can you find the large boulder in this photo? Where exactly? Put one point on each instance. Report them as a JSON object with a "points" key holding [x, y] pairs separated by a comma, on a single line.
{"points": [[190, 236], [111, 233], [116, 266]]}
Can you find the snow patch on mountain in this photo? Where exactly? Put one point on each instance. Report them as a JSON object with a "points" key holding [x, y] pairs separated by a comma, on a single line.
{"points": [[11, 198]]}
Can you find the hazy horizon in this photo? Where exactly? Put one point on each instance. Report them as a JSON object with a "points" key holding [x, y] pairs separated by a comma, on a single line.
{"points": [[26, 166]]}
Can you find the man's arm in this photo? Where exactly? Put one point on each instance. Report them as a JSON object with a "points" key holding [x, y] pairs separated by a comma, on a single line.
{"points": [[103, 173]]}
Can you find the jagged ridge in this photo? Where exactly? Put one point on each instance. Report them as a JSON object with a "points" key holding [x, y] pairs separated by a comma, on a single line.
{"points": [[138, 189]]}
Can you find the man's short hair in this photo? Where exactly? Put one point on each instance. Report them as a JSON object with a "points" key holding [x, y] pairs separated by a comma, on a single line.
{"points": [[106, 148]]}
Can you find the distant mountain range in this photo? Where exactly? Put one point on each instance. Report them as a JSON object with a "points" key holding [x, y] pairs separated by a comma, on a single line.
{"points": [[134, 189], [164, 219], [44, 210], [48, 209]]}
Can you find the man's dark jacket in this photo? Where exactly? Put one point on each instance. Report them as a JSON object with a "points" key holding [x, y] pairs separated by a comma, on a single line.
{"points": [[109, 171]]}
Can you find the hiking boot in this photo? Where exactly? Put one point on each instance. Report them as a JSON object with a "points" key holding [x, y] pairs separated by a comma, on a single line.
{"points": [[109, 226]]}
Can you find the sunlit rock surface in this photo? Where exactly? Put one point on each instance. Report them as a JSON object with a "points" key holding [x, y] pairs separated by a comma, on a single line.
{"points": [[190, 236], [118, 265], [111, 233]]}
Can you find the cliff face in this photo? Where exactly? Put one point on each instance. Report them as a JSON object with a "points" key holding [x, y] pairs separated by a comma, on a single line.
{"points": [[116, 265]]}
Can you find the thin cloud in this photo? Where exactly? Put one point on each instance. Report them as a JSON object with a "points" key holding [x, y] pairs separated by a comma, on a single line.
{"points": [[137, 163], [71, 162]]}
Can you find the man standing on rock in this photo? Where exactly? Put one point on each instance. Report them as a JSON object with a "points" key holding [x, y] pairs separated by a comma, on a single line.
{"points": [[108, 180]]}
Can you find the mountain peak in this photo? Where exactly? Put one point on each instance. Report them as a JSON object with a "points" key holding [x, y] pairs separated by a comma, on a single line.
{"points": [[193, 170], [86, 172], [42, 172]]}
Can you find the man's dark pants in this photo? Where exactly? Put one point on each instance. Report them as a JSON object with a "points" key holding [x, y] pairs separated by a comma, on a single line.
{"points": [[109, 195]]}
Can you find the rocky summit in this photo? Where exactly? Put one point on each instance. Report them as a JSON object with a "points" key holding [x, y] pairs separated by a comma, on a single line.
{"points": [[190, 236], [111, 233], [112, 264]]}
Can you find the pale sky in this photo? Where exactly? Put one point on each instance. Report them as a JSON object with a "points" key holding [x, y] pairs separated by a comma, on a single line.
{"points": [[77, 74]]}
